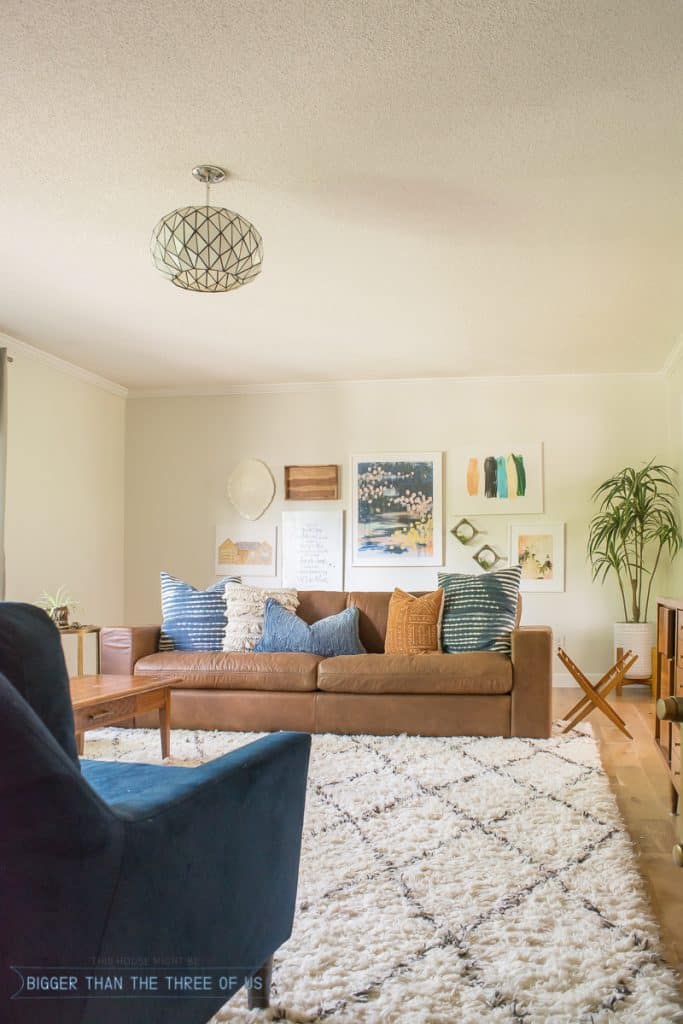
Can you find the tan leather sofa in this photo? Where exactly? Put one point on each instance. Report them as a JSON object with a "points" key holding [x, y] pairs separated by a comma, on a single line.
{"points": [[469, 694]]}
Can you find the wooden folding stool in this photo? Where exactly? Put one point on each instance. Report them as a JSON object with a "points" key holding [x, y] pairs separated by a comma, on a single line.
{"points": [[595, 696]]}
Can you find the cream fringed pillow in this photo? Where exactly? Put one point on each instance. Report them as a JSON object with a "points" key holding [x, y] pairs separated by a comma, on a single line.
{"points": [[245, 607], [414, 623]]}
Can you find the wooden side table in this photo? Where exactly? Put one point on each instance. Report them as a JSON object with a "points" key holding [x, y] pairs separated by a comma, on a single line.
{"points": [[99, 700], [80, 632]]}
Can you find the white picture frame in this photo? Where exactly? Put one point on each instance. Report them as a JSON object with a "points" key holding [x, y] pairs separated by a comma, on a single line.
{"points": [[313, 549], [540, 549], [246, 549], [497, 479], [397, 509]]}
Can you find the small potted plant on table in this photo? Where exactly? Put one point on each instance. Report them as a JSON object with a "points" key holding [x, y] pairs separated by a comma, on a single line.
{"points": [[636, 523], [59, 606]]}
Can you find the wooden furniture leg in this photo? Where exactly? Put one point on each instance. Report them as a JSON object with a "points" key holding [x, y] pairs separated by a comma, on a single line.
{"points": [[79, 653], [165, 725], [258, 995]]}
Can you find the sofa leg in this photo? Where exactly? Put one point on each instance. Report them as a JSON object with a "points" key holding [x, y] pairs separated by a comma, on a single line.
{"points": [[259, 992]]}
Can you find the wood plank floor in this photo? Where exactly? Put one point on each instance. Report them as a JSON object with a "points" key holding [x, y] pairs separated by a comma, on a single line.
{"points": [[641, 783]]}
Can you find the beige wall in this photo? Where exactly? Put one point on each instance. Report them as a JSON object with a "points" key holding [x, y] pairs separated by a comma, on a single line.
{"points": [[65, 480], [673, 383], [180, 452]]}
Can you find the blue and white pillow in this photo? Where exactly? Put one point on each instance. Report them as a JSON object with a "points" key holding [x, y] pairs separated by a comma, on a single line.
{"points": [[193, 620], [479, 611], [284, 631]]}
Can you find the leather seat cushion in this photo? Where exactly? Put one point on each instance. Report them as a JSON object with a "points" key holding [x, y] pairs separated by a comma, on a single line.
{"points": [[473, 672], [233, 670]]}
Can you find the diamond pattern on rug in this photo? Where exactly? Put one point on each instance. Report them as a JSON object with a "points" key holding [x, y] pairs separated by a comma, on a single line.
{"points": [[454, 880]]}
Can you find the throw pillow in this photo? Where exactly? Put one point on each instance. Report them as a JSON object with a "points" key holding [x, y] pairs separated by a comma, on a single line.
{"points": [[414, 623], [193, 620], [479, 611], [283, 631], [245, 607]]}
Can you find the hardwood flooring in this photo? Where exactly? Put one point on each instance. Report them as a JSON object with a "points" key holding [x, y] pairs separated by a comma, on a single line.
{"points": [[641, 783]]}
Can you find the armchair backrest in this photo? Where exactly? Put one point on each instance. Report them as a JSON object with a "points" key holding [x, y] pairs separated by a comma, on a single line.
{"points": [[32, 659], [60, 851]]}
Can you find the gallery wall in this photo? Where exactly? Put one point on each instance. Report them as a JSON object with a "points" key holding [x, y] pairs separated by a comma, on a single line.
{"points": [[180, 452], [65, 480]]}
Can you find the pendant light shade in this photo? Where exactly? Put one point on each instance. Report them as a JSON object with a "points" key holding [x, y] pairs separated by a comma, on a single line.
{"points": [[207, 248]]}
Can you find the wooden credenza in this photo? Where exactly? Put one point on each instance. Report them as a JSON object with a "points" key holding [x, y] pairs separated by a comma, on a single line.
{"points": [[669, 683]]}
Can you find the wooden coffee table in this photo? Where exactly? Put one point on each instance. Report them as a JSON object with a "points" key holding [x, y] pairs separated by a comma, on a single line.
{"points": [[107, 700]]}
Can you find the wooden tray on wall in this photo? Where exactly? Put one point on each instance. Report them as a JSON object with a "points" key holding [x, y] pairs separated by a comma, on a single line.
{"points": [[311, 483]]}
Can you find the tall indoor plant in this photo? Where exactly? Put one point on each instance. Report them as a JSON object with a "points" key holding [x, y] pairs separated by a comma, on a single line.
{"points": [[635, 525]]}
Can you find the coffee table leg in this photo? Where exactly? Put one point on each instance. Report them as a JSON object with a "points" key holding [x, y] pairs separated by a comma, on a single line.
{"points": [[165, 725]]}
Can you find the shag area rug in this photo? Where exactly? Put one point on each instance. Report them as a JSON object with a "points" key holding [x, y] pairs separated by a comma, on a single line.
{"points": [[454, 881]]}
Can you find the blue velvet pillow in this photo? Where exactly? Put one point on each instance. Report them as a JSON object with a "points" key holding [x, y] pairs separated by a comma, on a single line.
{"points": [[284, 632]]}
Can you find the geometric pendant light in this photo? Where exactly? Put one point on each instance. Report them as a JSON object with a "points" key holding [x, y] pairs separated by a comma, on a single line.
{"points": [[207, 248]]}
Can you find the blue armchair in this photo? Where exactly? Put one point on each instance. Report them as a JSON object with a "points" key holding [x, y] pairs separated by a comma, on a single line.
{"points": [[108, 869]]}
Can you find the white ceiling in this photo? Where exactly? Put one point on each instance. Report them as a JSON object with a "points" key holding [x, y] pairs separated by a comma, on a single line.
{"points": [[444, 187]]}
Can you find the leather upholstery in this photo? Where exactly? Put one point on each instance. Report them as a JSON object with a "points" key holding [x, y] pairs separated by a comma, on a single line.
{"points": [[532, 653], [242, 710], [373, 612], [318, 604], [413, 714], [122, 646], [473, 672], [234, 670]]}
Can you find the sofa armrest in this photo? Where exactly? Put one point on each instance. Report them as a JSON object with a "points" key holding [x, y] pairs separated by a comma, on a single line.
{"points": [[122, 646], [532, 686]]}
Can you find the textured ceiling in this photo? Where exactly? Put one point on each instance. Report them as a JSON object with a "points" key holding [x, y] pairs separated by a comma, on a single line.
{"points": [[463, 187]]}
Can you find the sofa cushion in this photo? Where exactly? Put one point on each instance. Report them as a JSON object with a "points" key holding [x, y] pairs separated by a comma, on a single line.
{"points": [[414, 623], [233, 670], [373, 613], [318, 604], [285, 631], [480, 611], [478, 672]]}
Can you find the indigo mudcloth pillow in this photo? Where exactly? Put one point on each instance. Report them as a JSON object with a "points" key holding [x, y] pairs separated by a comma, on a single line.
{"points": [[283, 631], [194, 620], [479, 611]]}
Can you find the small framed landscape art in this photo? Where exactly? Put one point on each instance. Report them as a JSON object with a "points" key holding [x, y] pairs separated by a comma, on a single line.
{"points": [[539, 549], [500, 479], [246, 550], [396, 509]]}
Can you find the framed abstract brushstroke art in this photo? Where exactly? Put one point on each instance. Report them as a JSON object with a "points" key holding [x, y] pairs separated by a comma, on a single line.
{"points": [[500, 479], [539, 549], [397, 509]]}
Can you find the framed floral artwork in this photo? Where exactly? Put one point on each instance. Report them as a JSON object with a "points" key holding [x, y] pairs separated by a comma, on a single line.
{"points": [[539, 549], [397, 509]]}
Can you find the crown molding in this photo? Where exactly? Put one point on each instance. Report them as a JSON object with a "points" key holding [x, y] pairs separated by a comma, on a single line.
{"points": [[299, 387], [22, 348]]}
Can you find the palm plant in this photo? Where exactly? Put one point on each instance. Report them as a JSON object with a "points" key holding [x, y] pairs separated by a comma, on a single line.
{"points": [[636, 522]]}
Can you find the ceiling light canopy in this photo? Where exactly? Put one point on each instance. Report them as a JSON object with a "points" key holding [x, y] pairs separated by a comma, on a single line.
{"points": [[207, 248]]}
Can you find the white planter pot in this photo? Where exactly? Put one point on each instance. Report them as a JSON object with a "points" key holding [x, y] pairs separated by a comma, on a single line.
{"points": [[638, 637]]}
